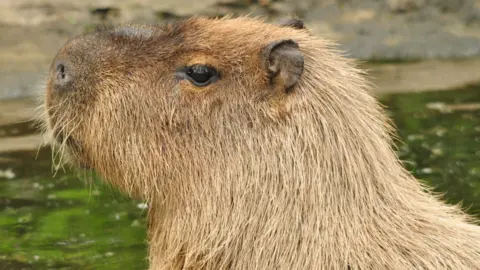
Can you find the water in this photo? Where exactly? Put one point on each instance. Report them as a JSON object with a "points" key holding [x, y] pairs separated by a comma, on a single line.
{"points": [[442, 146], [61, 222]]}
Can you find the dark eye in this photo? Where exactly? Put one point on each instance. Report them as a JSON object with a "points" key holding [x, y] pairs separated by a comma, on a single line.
{"points": [[201, 75]]}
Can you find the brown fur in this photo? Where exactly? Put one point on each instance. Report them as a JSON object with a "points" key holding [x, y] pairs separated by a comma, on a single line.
{"points": [[240, 174]]}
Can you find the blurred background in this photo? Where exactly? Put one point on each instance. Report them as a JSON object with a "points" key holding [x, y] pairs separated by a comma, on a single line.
{"points": [[422, 55]]}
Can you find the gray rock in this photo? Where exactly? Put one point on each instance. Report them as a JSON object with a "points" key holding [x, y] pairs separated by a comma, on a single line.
{"points": [[422, 30], [404, 5], [33, 30]]}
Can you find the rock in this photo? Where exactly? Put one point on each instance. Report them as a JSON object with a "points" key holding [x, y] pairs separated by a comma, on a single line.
{"points": [[431, 75], [33, 30], [450, 5], [404, 5], [364, 29]]}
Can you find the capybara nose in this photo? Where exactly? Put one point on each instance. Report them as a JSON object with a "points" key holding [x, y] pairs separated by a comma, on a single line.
{"points": [[62, 77]]}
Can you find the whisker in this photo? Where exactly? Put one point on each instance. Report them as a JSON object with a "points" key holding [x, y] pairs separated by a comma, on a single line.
{"points": [[60, 147], [63, 144], [55, 139], [90, 182], [65, 141]]}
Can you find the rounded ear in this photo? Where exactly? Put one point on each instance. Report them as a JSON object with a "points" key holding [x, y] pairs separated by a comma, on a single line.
{"points": [[292, 22], [284, 63]]}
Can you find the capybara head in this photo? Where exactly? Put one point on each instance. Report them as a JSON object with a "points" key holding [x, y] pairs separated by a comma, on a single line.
{"points": [[152, 95], [148, 107]]}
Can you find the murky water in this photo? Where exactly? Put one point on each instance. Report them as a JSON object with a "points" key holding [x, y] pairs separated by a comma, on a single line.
{"points": [[440, 141], [60, 222]]}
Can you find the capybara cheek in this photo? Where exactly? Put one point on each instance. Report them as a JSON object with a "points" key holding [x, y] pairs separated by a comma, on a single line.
{"points": [[187, 88]]}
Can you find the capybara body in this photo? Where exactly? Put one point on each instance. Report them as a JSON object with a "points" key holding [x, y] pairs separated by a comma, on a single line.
{"points": [[256, 146]]}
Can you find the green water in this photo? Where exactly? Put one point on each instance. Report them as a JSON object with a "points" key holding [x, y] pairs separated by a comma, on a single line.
{"points": [[60, 222], [441, 147]]}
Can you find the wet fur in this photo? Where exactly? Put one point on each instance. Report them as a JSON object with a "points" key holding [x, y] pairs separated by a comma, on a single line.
{"points": [[245, 176]]}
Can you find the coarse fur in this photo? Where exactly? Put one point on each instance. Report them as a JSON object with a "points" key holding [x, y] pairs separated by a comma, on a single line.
{"points": [[241, 174]]}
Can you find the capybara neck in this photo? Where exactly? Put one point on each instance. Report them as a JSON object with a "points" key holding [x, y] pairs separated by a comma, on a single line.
{"points": [[256, 146]]}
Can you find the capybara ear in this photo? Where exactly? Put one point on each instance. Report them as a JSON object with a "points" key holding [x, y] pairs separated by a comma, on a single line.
{"points": [[284, 63], [292, 22]]}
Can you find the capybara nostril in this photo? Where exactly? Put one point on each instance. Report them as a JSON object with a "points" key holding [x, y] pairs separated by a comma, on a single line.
{"points": [[62, 76]]}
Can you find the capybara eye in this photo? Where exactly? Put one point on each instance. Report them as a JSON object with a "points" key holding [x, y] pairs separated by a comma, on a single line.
{"points": [[201, 75]]}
